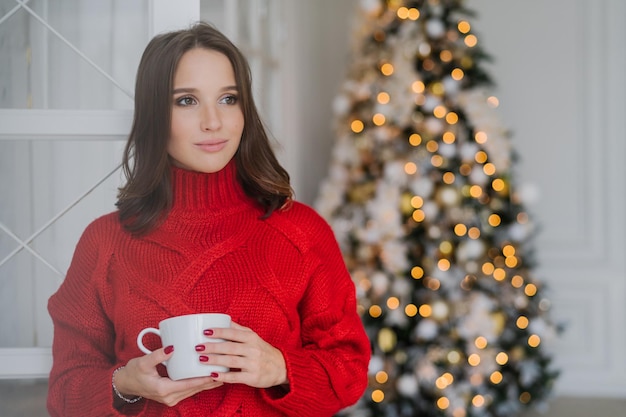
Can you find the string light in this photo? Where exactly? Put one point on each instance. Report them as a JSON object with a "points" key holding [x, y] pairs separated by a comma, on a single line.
{"points": [[425, 310], [417, 202], [448, 178], [418, 87], [415, 139], [386, 69], [464, 26], [443, 264], [381, 377], [378, 119], [432, 146], [452, 118], [410, 310], [481, 157], [473, 359], [357, 126], [418, 216], [478, 401], [522, 322], [417, 272], [375, 311], [449, 138], [383, 98], [489, 169], [480, 342], [496, 377], [480, 138], [534, 340], [502, 358], [498, 184], [378, 396], [473, 233], [471, 40], [493, 102], [517, 281], [494, 220], [446, 56], [457, 74], [443, 403], [393, 303], [439, 112]]}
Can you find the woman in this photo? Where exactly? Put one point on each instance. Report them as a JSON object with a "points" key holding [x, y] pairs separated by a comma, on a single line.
{"points": [[205, 223]]}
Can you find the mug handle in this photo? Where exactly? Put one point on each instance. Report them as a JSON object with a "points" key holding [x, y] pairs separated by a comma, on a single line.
{"points": [[142, 334]]}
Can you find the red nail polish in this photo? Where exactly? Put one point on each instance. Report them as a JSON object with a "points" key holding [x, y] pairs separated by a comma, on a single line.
{"points": [[204, 358], [214, 375], [168, 349], [208, 332], [200, 348]]}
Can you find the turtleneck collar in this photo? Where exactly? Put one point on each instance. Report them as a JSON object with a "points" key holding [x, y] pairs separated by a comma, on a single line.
{"points": [[197, 191]]}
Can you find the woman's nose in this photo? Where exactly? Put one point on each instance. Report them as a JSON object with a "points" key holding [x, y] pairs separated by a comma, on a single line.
{"points": [[210, 118]]}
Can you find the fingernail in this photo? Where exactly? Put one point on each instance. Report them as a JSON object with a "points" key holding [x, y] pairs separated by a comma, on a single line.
{"points": [[168, 349], [214, 375], [199, 348], [208, 332], [204, 358]]}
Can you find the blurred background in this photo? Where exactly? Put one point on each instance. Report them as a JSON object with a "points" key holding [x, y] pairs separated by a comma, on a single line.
{"points": [[67, 72]]}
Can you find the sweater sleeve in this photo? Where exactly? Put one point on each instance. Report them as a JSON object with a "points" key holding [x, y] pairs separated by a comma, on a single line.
{"points": [[83, 345], [329, 371]]}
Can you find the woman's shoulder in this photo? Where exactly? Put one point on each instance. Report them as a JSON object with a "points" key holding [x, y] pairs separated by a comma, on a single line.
{"points": [[103, 228], [302, 225]]}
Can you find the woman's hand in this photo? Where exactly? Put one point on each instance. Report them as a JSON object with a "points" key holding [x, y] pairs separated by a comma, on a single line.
{"points": [[252, 360], [140, 378]]}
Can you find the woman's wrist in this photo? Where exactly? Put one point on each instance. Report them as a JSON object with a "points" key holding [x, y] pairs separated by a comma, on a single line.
{"points": [[119, 398]]}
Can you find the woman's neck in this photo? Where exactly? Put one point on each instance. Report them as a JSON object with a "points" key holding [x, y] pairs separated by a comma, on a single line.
{"points": [[197, 191]]}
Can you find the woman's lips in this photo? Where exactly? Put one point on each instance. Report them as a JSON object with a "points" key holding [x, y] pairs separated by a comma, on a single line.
{"points": [[212, 146]]}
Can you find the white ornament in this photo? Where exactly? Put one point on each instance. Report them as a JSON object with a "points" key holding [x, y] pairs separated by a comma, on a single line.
{"points": [[440, 310], [447, 149], [407, 385], [478, 176], [449, 196], [426, 329], [377, 364], [380, 283], [341, 105], [435, 28], [422, 187], [372, 7], [451, 85], [431, 209], [470, 249], [468, 151]]}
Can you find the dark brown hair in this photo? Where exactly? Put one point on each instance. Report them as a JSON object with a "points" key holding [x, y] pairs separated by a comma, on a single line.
{"points": [[146, 197]]}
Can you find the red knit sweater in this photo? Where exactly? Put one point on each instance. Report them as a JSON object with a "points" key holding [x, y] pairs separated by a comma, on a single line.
{"points": [[283, 277]]}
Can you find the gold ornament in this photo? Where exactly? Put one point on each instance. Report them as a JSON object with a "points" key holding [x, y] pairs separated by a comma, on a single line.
{"points": [[387, 339]]}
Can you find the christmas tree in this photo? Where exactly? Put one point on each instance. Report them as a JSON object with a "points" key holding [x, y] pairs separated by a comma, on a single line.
{"points": [[434, 230]]}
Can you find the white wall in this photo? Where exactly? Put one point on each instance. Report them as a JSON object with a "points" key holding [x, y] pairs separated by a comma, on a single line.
{"points": [[559, 68], [318, 34]]}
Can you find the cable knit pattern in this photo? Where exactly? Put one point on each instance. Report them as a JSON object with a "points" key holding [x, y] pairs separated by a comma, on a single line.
{"points": [[284, 277]]}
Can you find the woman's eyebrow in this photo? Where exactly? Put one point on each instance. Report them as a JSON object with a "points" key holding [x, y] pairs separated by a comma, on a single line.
{"points": [[193, 90]]}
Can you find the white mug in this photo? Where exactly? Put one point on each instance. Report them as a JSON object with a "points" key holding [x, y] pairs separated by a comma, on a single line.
{"points": [[184, 333]]}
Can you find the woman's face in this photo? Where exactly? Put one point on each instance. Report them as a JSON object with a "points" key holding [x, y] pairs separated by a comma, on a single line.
{"points": [[207, 120]]}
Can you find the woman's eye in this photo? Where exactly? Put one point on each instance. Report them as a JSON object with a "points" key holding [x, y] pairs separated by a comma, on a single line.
{"points": [[185, 101], [230, 100]]}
